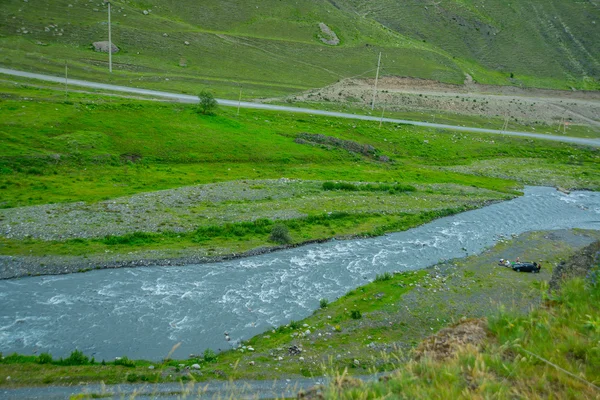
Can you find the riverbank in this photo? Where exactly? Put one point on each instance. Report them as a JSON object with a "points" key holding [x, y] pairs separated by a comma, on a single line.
{"points": [[396, 312], [215, 222]]}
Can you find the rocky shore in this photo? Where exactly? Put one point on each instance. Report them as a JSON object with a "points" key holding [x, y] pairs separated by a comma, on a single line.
{"points": [[20, 266]]}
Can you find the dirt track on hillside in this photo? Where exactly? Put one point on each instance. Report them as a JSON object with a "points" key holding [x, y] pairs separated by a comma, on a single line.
{"points": [[522, 105]]}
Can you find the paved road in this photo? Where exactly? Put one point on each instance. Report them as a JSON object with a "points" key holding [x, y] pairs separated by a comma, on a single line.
{"points": [[245, 104]]}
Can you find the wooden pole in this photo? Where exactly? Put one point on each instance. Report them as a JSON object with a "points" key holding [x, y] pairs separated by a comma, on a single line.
{"points": [[381, 120], [66, 79], [239, 101], [376, 79]]}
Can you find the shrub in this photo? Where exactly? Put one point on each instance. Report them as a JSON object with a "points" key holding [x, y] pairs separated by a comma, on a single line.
{"points": [[295, 324], [132, 378], [355, 314], [280, 234], [76, 358], [386, 276], [44, 358], [126, 362], [209, 355], [207, 103], [323, 303]]}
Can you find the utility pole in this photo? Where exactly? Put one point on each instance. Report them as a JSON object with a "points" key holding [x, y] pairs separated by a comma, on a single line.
{"points": [[376, 79], [239, 101], [381, 120], [505, 125], [109, 41]]}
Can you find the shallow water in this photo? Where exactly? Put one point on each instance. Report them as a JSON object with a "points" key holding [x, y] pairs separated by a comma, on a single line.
{"points": [[143, 312]]}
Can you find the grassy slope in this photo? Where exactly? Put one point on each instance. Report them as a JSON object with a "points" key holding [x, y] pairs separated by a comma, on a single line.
{"points": [[533, 39], [272, 47], [396, 314]]}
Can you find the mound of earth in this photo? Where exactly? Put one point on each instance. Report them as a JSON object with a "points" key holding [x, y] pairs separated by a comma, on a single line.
{"points": [[515, 103], [447, 342]]}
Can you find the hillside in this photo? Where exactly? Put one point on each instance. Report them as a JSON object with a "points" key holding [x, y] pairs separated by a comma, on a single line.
{"points": [[275, 48]]}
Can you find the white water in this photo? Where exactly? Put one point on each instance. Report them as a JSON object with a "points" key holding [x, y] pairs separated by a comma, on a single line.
{"points": [[143, 312]]}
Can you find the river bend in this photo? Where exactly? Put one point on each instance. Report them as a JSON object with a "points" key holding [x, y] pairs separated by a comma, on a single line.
{"points": [[143, 312]]}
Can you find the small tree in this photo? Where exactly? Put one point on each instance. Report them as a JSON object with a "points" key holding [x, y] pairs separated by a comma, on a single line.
{"points": [[280, 234], [207, 104]]}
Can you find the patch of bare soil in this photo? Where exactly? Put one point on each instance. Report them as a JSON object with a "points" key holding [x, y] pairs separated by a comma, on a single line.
{"points": [[523, 105], [447, 342]]}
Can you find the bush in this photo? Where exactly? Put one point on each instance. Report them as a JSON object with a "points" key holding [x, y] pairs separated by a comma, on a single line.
{"points": [[386, 276], [207, 103], [76, 358], [126, 362], [295, 324], [280, 234], [349, 187], [323, 303], [355, 314], [44, 358], [209, 355]]}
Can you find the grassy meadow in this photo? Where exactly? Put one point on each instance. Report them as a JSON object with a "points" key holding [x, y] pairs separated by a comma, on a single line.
{"points": [[99, 150]]}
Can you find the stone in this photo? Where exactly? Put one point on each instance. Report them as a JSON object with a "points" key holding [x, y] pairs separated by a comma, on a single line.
{"points": [[356, 362], [195, 366], [294, 350], [251, 363], [145, 12], [307, 332], [186, 43], [151, 367], [103, 47]]}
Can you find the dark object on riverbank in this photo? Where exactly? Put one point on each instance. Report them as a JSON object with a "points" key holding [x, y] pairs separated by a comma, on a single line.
{"points": [[584, 264], [526, 267]]}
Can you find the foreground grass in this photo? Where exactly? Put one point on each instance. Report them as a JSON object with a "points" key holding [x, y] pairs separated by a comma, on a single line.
{"points": [[377, 324], [550, 353]]}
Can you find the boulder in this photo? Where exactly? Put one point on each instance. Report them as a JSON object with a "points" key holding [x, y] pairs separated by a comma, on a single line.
{"points": [[103, 47]]}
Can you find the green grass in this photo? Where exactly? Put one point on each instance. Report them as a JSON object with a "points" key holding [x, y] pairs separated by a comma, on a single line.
{"points": [[95, 148], [55, 151], [272, 47], [551, 352], [213, 240]]}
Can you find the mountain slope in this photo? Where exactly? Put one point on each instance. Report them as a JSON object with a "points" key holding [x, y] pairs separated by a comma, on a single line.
{"points": [[274, 47]]}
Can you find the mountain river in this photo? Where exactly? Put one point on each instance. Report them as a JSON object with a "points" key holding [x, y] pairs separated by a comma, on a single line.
{"points": [[143, 312]]}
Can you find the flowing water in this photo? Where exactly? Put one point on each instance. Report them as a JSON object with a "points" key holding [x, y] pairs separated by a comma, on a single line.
{"points": [[143, 312]]}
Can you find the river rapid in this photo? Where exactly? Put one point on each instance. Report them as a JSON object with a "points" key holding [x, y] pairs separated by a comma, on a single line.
{"points": [[142, 313]]}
